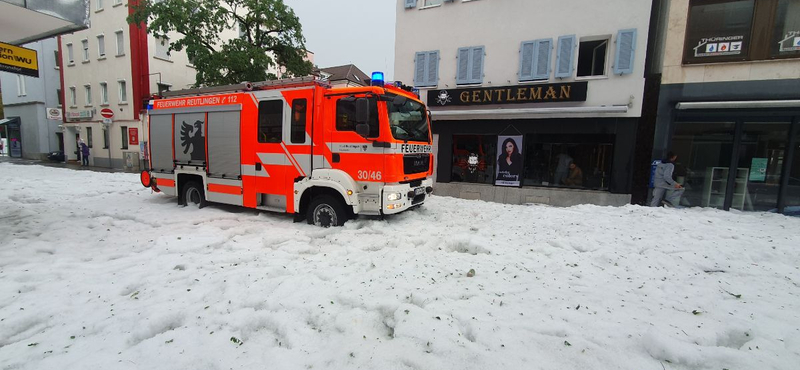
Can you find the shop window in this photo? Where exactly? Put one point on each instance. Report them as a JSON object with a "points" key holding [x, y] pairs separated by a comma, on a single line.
{"points": [[474, 158], [270, 121], [573, 161], [704, 151], [592, 57], [761, 155], [346, 116], [299, 108], [792, 199], [786, 35]]}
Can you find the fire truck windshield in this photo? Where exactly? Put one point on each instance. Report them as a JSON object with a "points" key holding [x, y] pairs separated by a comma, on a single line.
{"points": [[408, 122]]}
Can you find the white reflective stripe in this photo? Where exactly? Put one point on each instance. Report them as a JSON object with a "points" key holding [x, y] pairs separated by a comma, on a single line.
{"points": [[250, 170], [229, 182], [252, 96], [273, 159], [319, 161], [361, 148], [292, 159]]}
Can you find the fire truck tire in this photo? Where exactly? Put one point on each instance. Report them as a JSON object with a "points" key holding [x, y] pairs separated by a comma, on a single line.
{"points": [[193, 194], [326, 211]]}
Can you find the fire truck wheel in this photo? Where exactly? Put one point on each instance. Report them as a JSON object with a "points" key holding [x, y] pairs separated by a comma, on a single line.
{"points": [[326, 211], [193, 195]]}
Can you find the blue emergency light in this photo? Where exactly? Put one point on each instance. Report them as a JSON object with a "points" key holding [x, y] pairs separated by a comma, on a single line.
{"points": [[377, 79]]}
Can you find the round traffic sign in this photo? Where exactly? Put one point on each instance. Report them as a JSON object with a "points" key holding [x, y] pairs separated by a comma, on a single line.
{"points": [[107, 113]]}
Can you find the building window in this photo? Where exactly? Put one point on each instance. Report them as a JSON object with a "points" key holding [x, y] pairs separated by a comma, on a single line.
{"points": [[534, 60], [103, 93], [85, 44], [70, 54], [99, 4], [470, 65], [346, 116], [299, 109], [426, 68], [101, 46], [120, 43], [432, 3], [162, 48], [73, 99], [88, 90], [124, 137], [786, 34], [89, 137], [123, 92], [474, 158], [117, 2], [105, 137], [57, 58], [270, 121], [59, 97], [592, 57], [573, 161], [21, 88]]}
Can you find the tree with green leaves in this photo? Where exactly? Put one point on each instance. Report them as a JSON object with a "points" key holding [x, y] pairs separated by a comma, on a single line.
{"points": [[270, 36]]}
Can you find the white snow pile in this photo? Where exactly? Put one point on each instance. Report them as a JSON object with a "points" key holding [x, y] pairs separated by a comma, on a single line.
{"points": [[98, 273]]}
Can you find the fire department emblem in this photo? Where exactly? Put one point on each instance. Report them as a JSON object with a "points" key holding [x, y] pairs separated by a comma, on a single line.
{"points": [[443, 98], [192, 138], [365, 147]]}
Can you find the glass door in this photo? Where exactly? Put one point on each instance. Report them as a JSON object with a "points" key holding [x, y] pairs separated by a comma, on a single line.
{"points": [[704, 151], [762, 152]]}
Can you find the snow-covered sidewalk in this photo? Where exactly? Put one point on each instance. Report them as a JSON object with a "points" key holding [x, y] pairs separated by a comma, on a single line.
{"points": [[98, 273]]}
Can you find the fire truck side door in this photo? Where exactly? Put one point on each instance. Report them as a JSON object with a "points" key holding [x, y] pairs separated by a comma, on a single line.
{"points": [[272, 159]]}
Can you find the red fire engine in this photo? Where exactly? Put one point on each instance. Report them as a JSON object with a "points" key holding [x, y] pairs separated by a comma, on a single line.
{"points": [[294, 145]]}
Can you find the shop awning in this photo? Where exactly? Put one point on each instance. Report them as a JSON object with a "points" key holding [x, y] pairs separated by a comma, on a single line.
{"points": [[751, 104], [522, 112], [23, 21]]}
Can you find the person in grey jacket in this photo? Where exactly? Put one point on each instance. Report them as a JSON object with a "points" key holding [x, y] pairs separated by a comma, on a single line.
{"points": [[663, 184]]}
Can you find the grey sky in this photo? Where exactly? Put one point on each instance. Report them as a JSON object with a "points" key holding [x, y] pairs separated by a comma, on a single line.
{"points": [[340, 32]]}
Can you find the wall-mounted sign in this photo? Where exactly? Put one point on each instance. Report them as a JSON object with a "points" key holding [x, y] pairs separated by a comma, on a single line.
{"points": [[719, 46], [540, 93], [18, 60], [133, 136], [82, 114], [54, 113]]}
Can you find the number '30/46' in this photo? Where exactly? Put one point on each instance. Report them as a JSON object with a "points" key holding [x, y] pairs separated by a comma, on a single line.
{"points": [[369, 175]]}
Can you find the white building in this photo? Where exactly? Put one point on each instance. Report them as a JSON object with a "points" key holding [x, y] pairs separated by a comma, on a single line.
{"points": [[114, 66], [565, 80]]}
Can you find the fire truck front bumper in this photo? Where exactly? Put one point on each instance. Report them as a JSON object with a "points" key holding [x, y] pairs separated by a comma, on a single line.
{"points": [[400, 197]]}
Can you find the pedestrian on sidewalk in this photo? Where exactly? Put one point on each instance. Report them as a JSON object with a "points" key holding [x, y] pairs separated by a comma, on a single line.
{"points": [[663, 184], [84, 153]]}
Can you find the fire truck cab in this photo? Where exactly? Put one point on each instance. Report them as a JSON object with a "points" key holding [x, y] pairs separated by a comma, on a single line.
{"points": [[294, 145]]}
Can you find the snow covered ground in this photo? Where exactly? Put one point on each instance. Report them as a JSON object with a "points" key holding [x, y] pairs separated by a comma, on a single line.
{"points": [[98, 273]]}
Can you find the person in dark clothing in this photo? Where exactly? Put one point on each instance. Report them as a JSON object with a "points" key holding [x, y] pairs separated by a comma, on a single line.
{"points": [[509, 164], [84, 154], [663, 184]]}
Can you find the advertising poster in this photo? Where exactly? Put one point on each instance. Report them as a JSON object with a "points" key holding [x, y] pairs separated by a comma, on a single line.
{"points": [[758, 169], [133, 136], [509, 161]]}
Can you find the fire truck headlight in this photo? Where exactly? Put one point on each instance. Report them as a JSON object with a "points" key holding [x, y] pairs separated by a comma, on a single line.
{"points": [[394, 196]]}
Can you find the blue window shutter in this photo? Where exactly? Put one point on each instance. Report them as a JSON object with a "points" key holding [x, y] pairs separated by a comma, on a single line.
{"points": [[432, 78], [541, 61], [565, 59], [476, 66], [411, 4], [419, 69], [626, 50], [526, 60], [462, 70]]}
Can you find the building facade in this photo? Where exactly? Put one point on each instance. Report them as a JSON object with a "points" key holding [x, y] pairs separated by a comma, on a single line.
{"points": [[729, 103], [109, 70], [532, 101], [31, 132]]}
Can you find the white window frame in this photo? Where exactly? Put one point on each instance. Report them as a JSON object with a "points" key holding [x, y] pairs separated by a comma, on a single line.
{"points": [[70, 54], [98, 5], [117, 2], [162, 48], [73, 99], [122, 89], [606, 64], [21, 88], [103, 93], [101, 46], [119, 37], [85, 46], [427, 4], [87, 91]]}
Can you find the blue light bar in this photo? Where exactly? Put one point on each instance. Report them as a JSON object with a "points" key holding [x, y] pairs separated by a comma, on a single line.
{"points": [[377, 79]]}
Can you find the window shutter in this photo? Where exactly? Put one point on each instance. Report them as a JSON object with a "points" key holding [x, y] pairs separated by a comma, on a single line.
{"points": [[565, 63], [432, 78], [526, 60], [411, 4], [419, 69], [463, 66], [626, 50], [476, 68], [541, 67]]}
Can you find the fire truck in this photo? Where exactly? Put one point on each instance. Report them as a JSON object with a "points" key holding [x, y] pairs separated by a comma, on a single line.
{"points": [[294, 145]]}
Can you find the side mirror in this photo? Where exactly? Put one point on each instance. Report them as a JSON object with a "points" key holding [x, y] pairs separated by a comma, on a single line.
{"points": [[362, 129], [362, 110]]}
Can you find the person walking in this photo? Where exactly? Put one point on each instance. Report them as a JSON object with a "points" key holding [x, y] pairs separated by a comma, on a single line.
{"points": [[663, 184], [84, 154]]}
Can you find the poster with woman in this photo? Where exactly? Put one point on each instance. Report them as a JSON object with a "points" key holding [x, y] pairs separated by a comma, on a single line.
{"points": [[509, 161]]}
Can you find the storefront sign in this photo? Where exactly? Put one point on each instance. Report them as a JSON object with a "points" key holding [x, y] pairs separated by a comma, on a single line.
{"points": [[509, 161], [544, 93], [18, 60], [758, 169], [83, 114], [719, 46], [54, 113], [133, 136], [791, 42]]}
